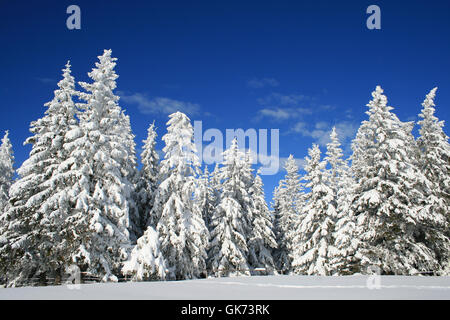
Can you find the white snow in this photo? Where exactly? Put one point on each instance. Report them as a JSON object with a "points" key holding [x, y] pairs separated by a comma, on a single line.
{"points": [[255, 288]]}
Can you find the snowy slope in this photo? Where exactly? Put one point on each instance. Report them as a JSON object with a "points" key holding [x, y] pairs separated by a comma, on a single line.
{"points": [[255, 288]]}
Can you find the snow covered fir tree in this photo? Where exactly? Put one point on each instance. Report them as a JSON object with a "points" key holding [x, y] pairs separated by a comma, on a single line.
{"points": [[287, 201], [231, 220], [315, 223], [39, 201], [6, 171], [390, 196], [178, 218], [83, 200]]}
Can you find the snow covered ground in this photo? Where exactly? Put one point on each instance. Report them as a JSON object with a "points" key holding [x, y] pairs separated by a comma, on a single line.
{"points": [[250, 288]]}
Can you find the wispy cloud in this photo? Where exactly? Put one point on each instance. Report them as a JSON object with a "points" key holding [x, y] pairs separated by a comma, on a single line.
{"points": [[320, 131], [46, 80], [300, 163], [256, 83], [155, 105], [280, 107], [280, 114], [278, 99]]}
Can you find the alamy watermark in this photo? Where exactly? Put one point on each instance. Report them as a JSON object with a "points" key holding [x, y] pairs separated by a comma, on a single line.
{"points": [[74, 20], [374, 20], [264, 150]]}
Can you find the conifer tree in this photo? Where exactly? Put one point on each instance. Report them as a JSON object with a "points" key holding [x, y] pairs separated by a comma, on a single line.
{"points": [[287, 201], [6, 171], [434, 163], [146, 261], [231, 221], [204, 196], [6, 179], [215, 184], [148, 178], [182, 231], [314, 239], [337, 164], [262, 239], [39, 201], [104, 157], [342, 253], [387, 194]]}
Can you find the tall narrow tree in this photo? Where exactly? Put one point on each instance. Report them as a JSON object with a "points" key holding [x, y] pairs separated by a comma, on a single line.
{"points": [[204, 196], [262, 239], [39, 202], [182, 231], [434, 163], [334, 157], [6, 179], [103, 155], [6, 171], [231, 221], [148, 178], [286, 203], [342, 253], [314, 239]]}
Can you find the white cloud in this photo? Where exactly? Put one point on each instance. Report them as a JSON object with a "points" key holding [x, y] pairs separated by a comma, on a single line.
{"points": [[300, 127], [163, 105], [277, 114], [278, 99], [320, 132], [300, 162], [261, 83], [280, 114], [280, 107]]}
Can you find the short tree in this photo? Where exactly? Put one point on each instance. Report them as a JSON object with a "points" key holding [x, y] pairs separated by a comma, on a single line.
{"points": [[146, 261]]}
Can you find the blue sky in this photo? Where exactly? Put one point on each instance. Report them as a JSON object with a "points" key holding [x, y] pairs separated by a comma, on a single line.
{"points": [[297, 66]]}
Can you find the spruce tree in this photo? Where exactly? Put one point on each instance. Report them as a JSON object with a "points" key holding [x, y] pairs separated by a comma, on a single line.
{"points": [[231, 221], [6, 179], [434, 163], [39, 201], [387, 194], [336, 162], [204, 196], [286, 203], [6, 171], [148, 178], [146, 261], [314, 239], [104, 157], [342, 253], [262, 239], [182, 231]]}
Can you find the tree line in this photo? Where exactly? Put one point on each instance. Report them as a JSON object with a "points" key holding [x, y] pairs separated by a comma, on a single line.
{"points": [[79, 199]]}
